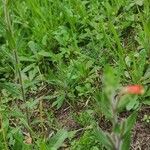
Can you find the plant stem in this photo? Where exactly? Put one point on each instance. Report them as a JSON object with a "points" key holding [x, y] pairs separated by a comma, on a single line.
{"points": [[21, 84], [115, 121], [41, 115], [12, 45]]}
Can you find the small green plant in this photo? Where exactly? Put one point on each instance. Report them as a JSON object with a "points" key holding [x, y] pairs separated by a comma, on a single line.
{"points": [[73, 80], [87, 141], [112, 102]]}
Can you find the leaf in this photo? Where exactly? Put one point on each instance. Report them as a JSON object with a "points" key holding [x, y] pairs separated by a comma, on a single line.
{"points": [[31, 104], [34, 47], [43, 145], [72, 134], [29, 67], [141, 62], [111, 80], [126, 142], [45, 54], [126, 130], [139, 2], [59, 101], [128, 61], [129, 122], [146, 102], [11, 88], [132, 104], [44, 40], [57, 140], [26, 59], [145, 78], [33, 73], [102, 138], [17, 137], [104, 105], [25, 123], [95, 148], [123, 102]]}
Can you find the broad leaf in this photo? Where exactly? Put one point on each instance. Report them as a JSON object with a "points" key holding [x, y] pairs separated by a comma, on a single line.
{"points": [[130, 122], [57, 140], [102, 137]]}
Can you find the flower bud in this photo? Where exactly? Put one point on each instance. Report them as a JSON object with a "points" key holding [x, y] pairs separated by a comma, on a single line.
{"points": [[133, 89]]}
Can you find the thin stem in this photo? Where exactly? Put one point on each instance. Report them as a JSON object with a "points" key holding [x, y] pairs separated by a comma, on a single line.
{"points": [[41, 115], [115, 121], [21, 83], [12, 46]]}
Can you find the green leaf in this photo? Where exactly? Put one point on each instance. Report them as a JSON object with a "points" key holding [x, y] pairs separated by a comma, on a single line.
{"points": [[19, 142], [123, 103], [29, 67], [44, 40], [57, 140], [145, 78], [72, 134], [59, 101], [111, 78], [33, 73], [104, 105], [25, 123], [26, 59], [34, 47], [139, 2], [11, 88], [129, 122], [126, 142], [147, 93], [45, 54], [142, 62], [146, 102], [43, 145], [128, 102], [132, 104], [127, 126], [102, 137]]}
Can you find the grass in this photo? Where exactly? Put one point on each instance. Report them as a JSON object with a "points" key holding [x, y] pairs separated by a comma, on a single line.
{"points": [[61, 62]]}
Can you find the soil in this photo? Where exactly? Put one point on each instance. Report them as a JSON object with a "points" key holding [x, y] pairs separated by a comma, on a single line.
{"points": [[141, 132]]}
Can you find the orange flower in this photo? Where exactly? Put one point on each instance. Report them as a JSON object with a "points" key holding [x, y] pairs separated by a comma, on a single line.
{"points": [[133, 89]]}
